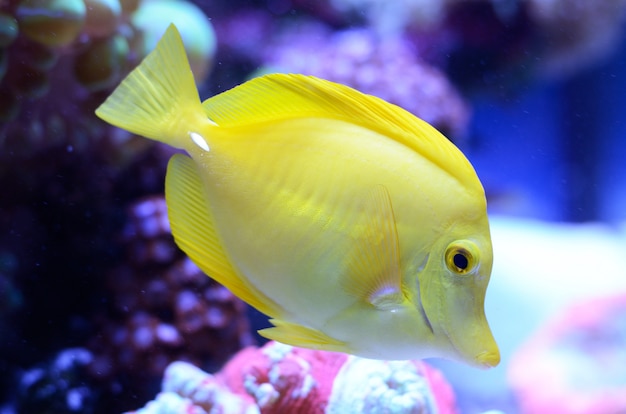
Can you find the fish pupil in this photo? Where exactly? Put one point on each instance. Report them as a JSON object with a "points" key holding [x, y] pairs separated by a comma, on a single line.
{"points": [[460, 261]]}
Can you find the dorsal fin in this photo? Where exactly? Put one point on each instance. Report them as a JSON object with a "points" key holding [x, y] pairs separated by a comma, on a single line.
{"points": [[283, 96]]}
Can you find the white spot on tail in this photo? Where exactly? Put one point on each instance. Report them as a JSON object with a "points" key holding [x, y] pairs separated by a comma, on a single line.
{"points": [[199, 140]]}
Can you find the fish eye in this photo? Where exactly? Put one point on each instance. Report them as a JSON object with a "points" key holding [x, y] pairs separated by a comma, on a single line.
{"points": [[462, 257]]}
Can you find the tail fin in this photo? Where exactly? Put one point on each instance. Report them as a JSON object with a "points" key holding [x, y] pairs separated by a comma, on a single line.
{"points": [[159, 98]]}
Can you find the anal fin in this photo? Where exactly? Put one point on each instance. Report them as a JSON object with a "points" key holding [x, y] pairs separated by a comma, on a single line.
{"points": [[195, 233], [297, 335]]}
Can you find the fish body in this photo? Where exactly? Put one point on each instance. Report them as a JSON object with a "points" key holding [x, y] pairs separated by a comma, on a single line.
{"points": [[354, 225]]}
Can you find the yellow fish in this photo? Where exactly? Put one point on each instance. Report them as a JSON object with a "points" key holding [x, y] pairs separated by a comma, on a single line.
{"points": [[354, 225]]}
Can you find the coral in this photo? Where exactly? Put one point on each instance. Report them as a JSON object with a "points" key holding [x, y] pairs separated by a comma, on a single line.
{"points": [[56, 55], [11, 302], [575, 363], [57, 238], [485, 42], [279, 378], [61, 386], [51, 22], [69, 178], [72, 275], [163, 307], [195, 29], [578, 32], [394, 16], [514, 43], [126, 292], [387, 67]]}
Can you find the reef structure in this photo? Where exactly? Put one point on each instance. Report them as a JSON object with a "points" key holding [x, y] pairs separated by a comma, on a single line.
{"points": [[59, 57], [575, 363], [163, 309], [387, 67], [60, 385], [279, 378], [68, 179]]}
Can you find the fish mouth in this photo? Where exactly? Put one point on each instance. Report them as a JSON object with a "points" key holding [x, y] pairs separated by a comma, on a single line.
{"points": [[484, 359], [487, 359]]}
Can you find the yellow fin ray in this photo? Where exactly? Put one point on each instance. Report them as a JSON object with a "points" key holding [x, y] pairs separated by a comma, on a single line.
{"points": [[194, 232], [374, 273], [297, 335], [284, 96], [159, 98]]}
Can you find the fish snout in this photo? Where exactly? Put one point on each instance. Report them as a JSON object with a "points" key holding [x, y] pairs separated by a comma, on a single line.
{"points": [[481, 347], [488, 359], [476, 345]]}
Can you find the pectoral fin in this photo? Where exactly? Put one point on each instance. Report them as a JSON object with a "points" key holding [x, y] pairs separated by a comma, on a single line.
{"points": [[195, 233], [297, 335], [373, 273]]}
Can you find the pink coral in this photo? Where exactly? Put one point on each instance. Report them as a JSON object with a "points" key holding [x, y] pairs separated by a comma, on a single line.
{"points": [[575, 363], [279, 378]]}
